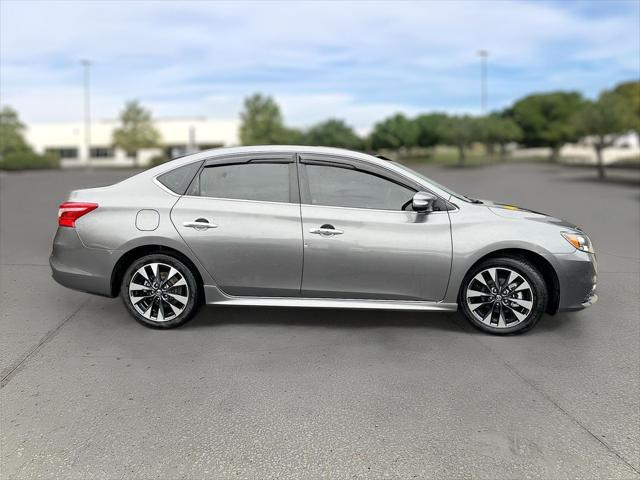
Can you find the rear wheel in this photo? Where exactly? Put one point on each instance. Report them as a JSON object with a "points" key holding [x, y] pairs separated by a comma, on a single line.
{"points": [[503, 295], [160, 291]]}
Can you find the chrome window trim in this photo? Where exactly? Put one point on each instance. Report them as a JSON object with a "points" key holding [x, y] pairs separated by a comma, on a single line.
{"points": [[196, 197], [259, 151], [374, 209], [159, 184], [297, 204], [219, 153]]}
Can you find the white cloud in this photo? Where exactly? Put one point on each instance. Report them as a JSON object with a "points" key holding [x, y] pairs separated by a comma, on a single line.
{"points": [[353, 60]]}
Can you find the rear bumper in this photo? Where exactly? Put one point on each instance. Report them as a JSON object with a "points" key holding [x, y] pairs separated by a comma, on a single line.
{"points": [[75, 266], [577, 275]]}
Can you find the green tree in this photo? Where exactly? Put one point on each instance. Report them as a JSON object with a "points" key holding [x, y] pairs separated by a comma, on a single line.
{"points": [[630, 91], [396, 132], [429, 128], [334, 133], [546, 119], [291, 136], [604, 120], [11, 133], [261, 122], [460, 132], [15, 152], [497, 130], [137, 130]]}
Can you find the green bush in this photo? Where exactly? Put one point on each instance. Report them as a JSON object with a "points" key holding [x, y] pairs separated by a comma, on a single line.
{"points": [[28, 161]]}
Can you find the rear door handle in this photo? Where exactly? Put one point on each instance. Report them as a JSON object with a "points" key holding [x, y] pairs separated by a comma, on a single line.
{"points": [[326, 230], [200, 224]]}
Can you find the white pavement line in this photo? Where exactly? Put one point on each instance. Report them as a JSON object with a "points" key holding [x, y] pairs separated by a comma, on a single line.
{"points": [[544, 395], [9, 372]]}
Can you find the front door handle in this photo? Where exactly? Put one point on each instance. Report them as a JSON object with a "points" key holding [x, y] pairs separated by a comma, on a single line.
{"points": [[326, 230], [200, 224]]}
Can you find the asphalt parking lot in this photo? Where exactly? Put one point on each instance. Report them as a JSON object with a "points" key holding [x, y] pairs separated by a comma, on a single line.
{"points": [[262, 393]]}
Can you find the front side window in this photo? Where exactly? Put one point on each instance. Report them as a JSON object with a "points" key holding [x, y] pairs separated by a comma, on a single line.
{"points": [[342, 187], [267, 182]]}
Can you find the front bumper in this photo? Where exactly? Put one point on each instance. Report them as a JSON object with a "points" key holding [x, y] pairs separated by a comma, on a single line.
{"points": [[75, 266], [577, 276]]}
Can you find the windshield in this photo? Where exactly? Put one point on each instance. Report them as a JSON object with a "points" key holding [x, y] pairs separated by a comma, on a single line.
{"points": [[435, 184]]}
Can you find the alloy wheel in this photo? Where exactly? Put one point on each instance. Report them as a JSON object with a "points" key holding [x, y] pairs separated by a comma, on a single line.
{"points": [[159, 292], [499, 297]]}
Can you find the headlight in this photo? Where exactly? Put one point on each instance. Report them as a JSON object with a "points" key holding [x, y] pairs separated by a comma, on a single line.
{"points": [[579, 241]]}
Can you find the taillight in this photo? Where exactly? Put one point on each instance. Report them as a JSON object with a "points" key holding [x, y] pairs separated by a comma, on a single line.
{"points": [[69, 212]]}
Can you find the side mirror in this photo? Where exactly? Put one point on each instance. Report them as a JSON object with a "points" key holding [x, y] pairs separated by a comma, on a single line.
{"points": [[423, 202]]}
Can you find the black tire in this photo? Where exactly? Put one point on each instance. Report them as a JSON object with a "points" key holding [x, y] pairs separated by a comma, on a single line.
{"points": [[178, 311], [511, 307]]}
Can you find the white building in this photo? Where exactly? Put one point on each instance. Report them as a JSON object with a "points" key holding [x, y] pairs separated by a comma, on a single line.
{"points": [[178, 136], [625, 147]]}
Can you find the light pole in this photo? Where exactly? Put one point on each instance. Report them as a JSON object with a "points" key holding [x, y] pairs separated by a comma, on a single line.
{"points": [[86, 64], [483, 54]]}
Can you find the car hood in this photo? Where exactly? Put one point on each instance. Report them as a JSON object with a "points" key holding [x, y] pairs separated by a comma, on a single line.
{"points": [[513, 212]]}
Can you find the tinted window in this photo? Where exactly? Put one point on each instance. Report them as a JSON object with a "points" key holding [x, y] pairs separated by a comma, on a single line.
{"points": [[343, 187], [179, 179], [268, 182]]}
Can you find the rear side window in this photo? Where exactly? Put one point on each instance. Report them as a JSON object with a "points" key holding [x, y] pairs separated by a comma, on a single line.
{"points": [[178, 180], [267, 182]]}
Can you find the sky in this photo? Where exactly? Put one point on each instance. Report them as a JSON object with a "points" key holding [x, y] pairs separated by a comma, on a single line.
{"points": [[357, 61]]}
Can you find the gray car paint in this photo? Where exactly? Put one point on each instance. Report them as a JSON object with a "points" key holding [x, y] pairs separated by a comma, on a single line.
{"points": [[381, 254], [394, 260], [256, 248]]}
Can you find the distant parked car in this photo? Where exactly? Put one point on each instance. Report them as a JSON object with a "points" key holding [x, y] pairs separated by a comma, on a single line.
{"points": [[315, 227]]}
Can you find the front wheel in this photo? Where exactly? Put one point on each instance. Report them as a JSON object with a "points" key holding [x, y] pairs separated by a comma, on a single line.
{"points": [[160, 291], [503, 295]]}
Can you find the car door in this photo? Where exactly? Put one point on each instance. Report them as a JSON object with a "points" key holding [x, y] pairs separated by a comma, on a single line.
{"points": [[361, 238], [241, 218]]}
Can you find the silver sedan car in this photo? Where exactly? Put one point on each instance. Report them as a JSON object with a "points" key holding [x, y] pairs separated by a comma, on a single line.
{"points": [[315, 227]]}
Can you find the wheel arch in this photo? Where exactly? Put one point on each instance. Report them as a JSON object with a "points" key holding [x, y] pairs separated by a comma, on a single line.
{"points": [[135, 253], [545, 268]]}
